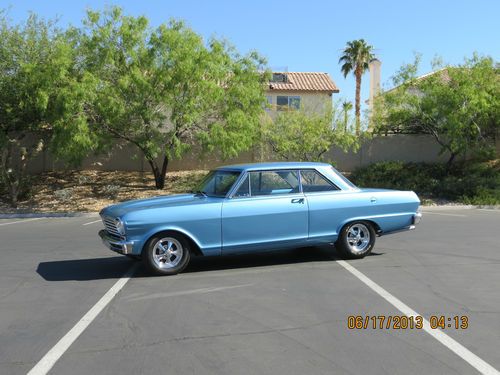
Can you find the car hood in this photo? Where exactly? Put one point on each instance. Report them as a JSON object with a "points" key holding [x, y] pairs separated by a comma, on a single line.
{"points": [[120, 209]]}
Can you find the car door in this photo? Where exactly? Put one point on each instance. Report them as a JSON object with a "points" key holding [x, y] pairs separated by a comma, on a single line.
{"points": [[267, 211], [327, 205]]}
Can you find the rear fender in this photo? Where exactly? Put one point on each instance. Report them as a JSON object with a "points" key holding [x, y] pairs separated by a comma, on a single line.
{"points": [[383, 223]]}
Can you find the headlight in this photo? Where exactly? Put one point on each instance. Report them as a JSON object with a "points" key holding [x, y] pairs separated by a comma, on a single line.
{"points": [[120, 226]]}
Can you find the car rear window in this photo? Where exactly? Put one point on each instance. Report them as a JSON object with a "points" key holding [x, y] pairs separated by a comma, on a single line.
{"points": [[313, 181]]}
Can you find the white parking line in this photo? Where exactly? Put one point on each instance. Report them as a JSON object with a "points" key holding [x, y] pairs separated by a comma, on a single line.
{"points": [[22, 221], [442, 214], [93, 222], [53, 355], [442, 337]]}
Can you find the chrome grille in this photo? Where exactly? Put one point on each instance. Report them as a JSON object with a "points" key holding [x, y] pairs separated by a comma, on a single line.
{"points": [[109, 224]]}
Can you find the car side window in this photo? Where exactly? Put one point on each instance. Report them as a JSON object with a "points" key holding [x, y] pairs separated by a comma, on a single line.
{"points": [[244, 189], [312, 181], [273, 182]]}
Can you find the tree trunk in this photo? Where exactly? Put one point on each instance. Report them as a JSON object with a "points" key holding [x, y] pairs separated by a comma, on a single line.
{"points": [[450, 161], [159, 174], [8, 175], [14, 162], [13, 194], [358, 101]]}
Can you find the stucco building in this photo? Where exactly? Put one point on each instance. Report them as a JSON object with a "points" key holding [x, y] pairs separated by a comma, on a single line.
{"points": [[311, 91]]}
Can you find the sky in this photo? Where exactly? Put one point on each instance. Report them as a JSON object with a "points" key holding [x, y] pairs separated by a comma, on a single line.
{"points": [[309, 35]]}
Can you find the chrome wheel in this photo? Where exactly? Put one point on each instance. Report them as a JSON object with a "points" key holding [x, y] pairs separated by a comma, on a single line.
{"points": [[167, 253], [358, 237]]}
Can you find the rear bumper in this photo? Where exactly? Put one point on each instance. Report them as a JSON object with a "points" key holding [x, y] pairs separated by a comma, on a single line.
{"points": [[116, 245], [416, 218]]}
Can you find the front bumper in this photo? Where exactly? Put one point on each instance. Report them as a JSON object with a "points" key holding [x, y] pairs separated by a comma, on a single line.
{"points": [[115, 244]]}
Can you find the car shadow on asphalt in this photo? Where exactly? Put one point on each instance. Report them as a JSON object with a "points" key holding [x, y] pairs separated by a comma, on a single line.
{"points": [[264, 259], [275, 258], [115, 267], [84, 269]]}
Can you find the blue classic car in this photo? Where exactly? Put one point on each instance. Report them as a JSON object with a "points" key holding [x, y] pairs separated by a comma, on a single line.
{"points": [[257, 207]]}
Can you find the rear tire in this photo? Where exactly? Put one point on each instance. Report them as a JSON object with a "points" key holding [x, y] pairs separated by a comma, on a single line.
{"points": [[166, 253], [356, 240]]}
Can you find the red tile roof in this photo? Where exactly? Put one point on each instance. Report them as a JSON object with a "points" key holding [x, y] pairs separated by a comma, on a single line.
{"points": [[443, 72], [304, 81]]}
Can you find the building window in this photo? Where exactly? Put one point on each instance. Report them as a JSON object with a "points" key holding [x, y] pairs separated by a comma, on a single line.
{"points": [[294, 102], [279, 77], [286, 102], [268, 105]]}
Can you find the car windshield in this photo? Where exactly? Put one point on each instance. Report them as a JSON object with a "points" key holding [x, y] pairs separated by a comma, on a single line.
{"points": [[217, 183]]}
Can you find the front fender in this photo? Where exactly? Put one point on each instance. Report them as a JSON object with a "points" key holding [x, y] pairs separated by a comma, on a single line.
{"points": [[206, 249]]}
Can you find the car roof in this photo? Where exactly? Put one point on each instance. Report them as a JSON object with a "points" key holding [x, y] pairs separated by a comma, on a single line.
{"points": [[275, 165]]}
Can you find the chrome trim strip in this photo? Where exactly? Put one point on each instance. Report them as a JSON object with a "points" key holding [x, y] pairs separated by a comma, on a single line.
{"points": [[236, 185]]}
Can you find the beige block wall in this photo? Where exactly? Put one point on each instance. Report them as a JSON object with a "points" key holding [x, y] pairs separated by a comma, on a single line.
{"points": [[407, 148], [126, 157]]}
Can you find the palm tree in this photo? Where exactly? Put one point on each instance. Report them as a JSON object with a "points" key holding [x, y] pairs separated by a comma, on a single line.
{"points": [[346, 107], [355, 58]]}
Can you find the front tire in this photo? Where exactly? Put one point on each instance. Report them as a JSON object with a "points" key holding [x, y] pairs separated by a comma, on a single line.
{"points": [[356, 240], [166, 253]]}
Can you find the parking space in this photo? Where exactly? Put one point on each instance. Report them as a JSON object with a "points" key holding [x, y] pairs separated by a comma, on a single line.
{"points": [[282, 312]]}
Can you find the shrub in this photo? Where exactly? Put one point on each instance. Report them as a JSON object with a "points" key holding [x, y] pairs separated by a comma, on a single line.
{"points": [[110, 191], [64, 195], [470, 183], [84, 180]]}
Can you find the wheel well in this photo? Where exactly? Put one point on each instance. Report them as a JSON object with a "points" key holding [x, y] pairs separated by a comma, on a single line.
{"points": [[195, 249], [375, 226]]}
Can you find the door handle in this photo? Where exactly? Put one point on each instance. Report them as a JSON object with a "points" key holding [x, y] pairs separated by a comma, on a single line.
{"points": [[373, 199], [298, 200]]}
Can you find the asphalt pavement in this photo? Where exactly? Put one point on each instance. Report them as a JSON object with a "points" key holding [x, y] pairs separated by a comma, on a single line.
{"points": [[274, 313]]}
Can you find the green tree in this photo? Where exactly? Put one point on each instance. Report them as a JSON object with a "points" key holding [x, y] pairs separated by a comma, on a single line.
{"points": [[36, 106], [307, 136], [346, 107], [355, 58], [164, 90], [458, 105]]}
